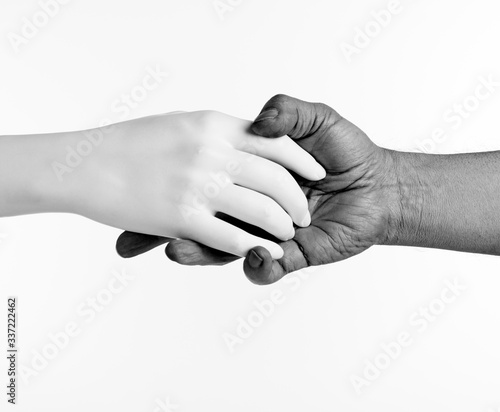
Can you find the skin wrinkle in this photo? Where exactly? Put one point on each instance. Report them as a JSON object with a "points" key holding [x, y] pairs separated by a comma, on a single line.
{"points": [[315, 126], [344, 250], [353, 186], [304, 254], [398, 225], [331, 241], [294, 128], [420, 209]]}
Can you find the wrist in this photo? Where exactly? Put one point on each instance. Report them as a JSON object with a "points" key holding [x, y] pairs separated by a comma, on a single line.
{"points": [[59, 177], [27, 181], [408, 194], [78, 169]]}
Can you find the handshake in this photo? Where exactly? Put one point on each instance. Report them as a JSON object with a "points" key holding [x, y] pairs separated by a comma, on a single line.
{"points": [[300, 186]]}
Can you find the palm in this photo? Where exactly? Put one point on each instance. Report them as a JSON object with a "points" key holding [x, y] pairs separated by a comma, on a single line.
{"points": [[343, 224], [345, 206]]}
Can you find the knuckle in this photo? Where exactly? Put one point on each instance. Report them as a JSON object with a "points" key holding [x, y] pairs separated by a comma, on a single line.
{"points": [[204, 125], [280, 99], [329, 114], [196, 159], [209, 118]]}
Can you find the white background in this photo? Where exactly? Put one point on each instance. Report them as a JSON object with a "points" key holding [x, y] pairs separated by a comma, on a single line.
{"points": [[163, 335]]}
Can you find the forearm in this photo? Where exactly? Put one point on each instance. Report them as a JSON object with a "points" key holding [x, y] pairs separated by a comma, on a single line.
{"points": [[28, 183], [447, 201]]}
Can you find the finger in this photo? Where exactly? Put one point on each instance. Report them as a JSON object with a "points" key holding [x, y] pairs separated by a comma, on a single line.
{"points": [[258, 265], [220, 235], [285, 152], [285, 115], [274, 181], [256, 209], [261, 269], [130, 244], [187, 252]]}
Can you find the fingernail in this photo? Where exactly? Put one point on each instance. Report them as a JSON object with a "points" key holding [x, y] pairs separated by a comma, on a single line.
{"points": [[254, 260], [267, 115], [320, 172], [306, 221]]}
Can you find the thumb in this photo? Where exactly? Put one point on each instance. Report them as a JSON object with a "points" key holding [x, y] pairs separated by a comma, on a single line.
{"points": [[285, 115], [258, 266]]}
